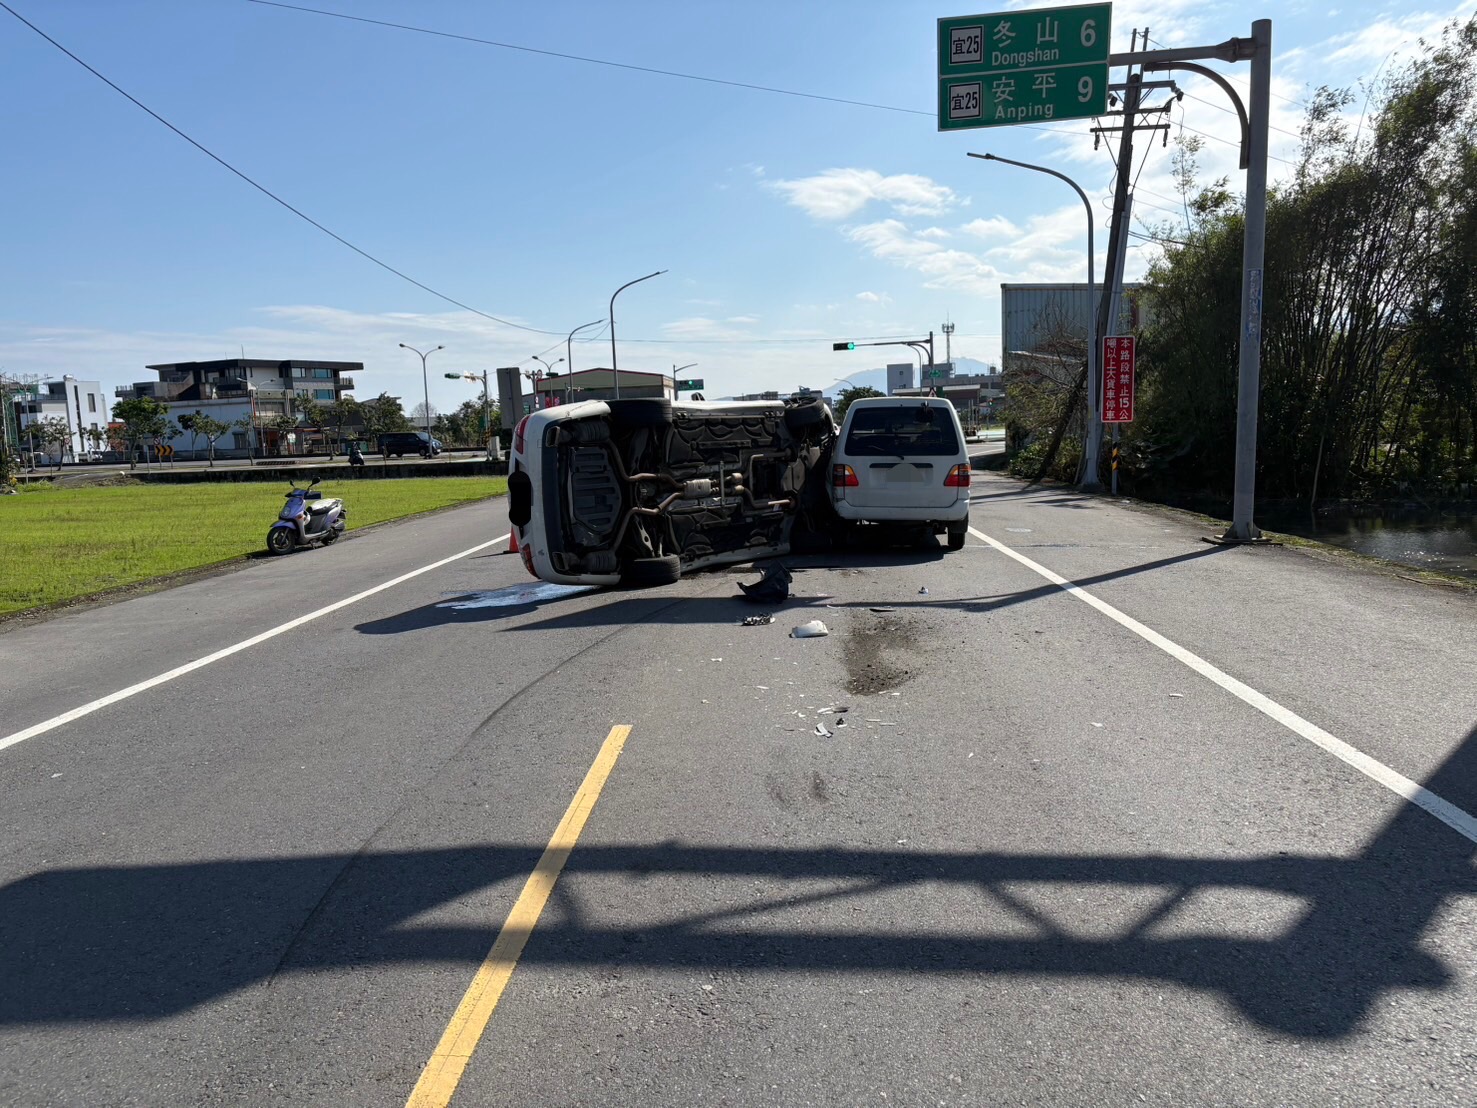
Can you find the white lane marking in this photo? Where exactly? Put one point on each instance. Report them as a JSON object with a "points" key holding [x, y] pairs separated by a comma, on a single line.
{"points": [[200, 663], [1448, 813]]}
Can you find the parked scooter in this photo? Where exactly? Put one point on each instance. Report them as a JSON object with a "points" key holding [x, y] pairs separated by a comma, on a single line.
{"points": [[307, 520]]}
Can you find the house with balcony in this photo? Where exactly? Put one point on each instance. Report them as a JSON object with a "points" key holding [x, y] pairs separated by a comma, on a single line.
{"points": [[251, 391], [81, 404]]}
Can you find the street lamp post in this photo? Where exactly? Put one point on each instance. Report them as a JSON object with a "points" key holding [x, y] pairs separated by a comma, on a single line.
{"points": [[493, 446], [569, 343], [614, 369], [548, 372], [1094, 424], [425, 385], [251, 431]]}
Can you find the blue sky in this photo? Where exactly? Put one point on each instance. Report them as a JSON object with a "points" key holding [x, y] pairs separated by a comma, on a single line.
{"points": [[530, 187]]}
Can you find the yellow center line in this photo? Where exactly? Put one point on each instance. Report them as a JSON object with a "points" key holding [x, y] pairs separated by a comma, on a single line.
{"points": [[443, 1072]]}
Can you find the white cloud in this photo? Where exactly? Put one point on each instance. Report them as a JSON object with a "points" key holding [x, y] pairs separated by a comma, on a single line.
{"points": [[994, 227], [874, 298], [935, 233], [1387, 36], [840, 193], [891, 241]]}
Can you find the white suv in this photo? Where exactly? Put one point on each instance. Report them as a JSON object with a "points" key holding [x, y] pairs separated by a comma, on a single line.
{"points": [[902, 460]]}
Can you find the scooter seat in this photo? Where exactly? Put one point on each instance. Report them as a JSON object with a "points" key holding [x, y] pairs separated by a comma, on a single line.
{"points": [[319, 509]]}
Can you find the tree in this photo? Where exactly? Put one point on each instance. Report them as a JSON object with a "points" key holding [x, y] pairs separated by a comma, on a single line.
{"points": [[310, 413], [418, 414], [856, 392], [142, 417], [282, 424], [1368, 377], [383, 414], [247, 425], [186, 422], [55, 432], [210, 429], [97, 438], [344, 412]]}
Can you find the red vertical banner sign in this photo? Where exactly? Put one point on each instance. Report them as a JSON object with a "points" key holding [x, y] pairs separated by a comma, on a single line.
{"points": [[1118, 367]]}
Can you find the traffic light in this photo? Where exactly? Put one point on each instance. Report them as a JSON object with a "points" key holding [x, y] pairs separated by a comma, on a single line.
{"points": [[691, 384], [843, 346]]}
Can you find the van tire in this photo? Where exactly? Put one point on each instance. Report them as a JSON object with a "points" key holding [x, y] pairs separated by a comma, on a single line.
{"points": [[957, 534], [646, 572], [805, 414]]}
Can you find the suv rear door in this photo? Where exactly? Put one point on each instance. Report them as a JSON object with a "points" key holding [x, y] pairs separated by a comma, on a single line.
{"points": [[901, 450]]}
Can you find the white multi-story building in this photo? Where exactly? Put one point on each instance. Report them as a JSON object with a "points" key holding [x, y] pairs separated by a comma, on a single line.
{"points": [[82, 404], [236, 388]]}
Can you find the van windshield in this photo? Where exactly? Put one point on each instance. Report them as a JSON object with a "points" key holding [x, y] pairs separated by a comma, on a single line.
{"points": [[902, 429]]}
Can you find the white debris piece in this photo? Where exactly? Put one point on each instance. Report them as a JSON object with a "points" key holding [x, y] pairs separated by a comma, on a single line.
{"points": [[822, 731], [815, 629]]}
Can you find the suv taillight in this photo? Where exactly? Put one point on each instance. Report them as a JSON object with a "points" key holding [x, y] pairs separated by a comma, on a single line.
{"points": [[843, 477], [518, 434], [958, 478]]}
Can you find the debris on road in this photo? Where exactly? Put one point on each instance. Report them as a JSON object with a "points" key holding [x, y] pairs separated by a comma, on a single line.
{"points": [[923, 591], [759, 620], [1177, 695], [772, 588], [881, 610], [815, 629], [822, 731]]}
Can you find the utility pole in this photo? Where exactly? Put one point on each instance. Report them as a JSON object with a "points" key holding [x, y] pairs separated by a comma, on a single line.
{"points": [[1248, 384], [1117, 238]]}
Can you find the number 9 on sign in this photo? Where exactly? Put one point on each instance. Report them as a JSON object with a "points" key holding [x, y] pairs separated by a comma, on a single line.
{"points": [[1084, 89]]}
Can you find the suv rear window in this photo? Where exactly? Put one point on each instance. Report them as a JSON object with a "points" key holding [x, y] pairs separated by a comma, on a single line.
{"points": [[901, 429]]}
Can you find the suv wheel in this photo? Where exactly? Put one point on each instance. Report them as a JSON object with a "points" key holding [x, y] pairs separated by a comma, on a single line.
{"points": [[644, 572]]}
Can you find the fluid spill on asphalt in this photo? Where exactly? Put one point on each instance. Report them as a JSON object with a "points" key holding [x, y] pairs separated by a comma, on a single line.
{"points": [[531, 593]]}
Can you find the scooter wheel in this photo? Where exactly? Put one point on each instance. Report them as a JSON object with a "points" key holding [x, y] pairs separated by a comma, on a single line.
{"points": [[330, 537], [280, 540]]}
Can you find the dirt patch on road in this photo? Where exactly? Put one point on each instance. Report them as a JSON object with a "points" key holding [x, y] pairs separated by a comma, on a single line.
{"points": [[880, 651]]}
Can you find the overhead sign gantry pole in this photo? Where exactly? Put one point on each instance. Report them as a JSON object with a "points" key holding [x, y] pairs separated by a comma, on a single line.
{"points": [[1005, 68]]}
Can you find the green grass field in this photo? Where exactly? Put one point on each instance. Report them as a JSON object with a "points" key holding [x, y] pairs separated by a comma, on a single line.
{"points": [[58, 544]]}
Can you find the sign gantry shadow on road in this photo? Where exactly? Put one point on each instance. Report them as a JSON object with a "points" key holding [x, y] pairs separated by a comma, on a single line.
{"points": [[1005, 68]]}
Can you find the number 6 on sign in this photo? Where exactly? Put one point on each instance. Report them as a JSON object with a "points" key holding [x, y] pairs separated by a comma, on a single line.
{"points": [[1084, 89], [1089, 32]]}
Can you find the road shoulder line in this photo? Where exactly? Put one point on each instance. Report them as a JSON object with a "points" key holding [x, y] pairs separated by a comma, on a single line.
{"points": [[200, 663], [1448, 813]]}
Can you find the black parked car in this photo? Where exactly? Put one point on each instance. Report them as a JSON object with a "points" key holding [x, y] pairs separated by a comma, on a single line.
{"points": [[401, 443]]}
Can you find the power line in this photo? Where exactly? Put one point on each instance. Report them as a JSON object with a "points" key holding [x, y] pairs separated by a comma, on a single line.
{"points": [[268, 192], [931, 114], [593, 61]]}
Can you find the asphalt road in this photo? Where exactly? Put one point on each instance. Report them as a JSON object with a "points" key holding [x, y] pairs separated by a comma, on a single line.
{"points": [[1050, 858]]}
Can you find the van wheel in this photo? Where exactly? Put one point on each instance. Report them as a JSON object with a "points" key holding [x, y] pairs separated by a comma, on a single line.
{"points": [[957, 534], [804, 413], [646, 572]]}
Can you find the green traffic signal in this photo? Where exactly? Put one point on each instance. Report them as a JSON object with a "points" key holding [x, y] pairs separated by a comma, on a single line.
{"points": [[843, 346]]}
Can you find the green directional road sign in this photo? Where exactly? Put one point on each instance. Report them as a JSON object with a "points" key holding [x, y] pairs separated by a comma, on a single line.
{"points": [[1004, 68]]}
